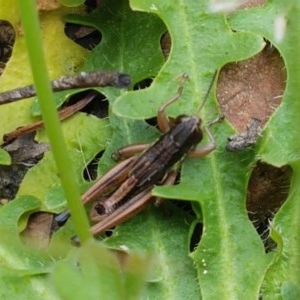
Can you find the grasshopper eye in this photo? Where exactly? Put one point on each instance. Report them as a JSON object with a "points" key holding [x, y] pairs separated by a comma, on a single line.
{"points": [[100, 208]]}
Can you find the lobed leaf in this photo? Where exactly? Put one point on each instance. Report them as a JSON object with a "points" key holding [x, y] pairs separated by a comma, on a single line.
{"points": [[5, 158], [22, 267], [230, 256], [279, 145]]}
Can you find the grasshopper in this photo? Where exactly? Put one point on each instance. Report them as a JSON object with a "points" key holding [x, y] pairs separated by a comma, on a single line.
{"points": [[126, 189]]}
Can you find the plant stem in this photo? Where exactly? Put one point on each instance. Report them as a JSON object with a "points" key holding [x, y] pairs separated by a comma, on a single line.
{"points": [[30, 23]]}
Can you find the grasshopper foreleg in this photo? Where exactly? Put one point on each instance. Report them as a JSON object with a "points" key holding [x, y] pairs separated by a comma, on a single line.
{"points": [[205, 150]]}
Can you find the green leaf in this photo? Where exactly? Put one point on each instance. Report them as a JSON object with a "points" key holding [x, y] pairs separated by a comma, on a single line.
{"points": [[230, 259], [15, 255], [85, 136], [201, 43], [17, 72], [5, 158], [278, 147], [117, 50], [229, 244], [279, 143], [123, 32], [35, 288], [230, 248], [94, 273], [290, 291], [163, 232], [21, 267], [54, 199], [94, 264]]}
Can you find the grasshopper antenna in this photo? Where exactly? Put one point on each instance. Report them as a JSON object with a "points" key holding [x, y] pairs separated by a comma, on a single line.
{"points": [[208, 92]]}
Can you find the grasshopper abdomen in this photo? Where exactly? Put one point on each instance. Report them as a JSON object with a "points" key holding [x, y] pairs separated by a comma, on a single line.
{"points": [[169, 149]]}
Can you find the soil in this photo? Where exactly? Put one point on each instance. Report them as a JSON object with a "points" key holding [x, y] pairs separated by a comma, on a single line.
{"points": [[252, 88]]}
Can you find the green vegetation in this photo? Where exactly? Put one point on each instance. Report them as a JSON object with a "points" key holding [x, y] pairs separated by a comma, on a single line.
{"points": [[230, 261]]}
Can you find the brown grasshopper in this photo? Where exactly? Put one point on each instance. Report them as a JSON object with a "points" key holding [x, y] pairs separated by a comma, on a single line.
{"points": [[126, 189]]}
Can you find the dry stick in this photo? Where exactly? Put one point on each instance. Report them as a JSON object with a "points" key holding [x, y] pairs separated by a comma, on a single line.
{"points": [[83, 80], [63, 114]]}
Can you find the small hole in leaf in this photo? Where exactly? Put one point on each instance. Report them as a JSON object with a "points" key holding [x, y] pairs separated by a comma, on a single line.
{"points": [[38, 230], [86, 36], [178, 180], [90, 171], [91, 5], [98, 107], [165, 44], [252, 88], [152, 121], [109, 232], [12, 175], [196, 236], [143, 84], [267, 191], [7, 40], [184, 206]]}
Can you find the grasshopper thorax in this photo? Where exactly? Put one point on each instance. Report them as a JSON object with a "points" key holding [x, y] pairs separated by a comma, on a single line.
{"points": [[187, 127]]}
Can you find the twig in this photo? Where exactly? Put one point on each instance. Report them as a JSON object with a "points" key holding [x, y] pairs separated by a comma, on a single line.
{"points": [[83, 80]]}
